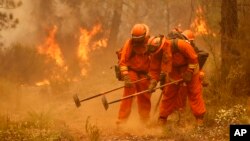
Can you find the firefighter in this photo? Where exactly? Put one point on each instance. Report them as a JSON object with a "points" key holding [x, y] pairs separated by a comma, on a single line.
{"points": [[189, 36], [202, 57], [134, 65], [178, 60]]}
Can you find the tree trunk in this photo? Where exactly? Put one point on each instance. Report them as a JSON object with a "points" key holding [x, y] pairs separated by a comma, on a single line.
{"points": [[167, 16], [116, 21], [229, 29]]}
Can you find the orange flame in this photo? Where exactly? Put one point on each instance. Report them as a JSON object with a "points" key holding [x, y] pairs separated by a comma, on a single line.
{"points": [[199, 23], [85, 47], [51, 47], [100, 43]]}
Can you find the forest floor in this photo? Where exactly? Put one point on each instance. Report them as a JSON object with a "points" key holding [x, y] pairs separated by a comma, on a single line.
{"points": [[34, 114], [52, 117]]}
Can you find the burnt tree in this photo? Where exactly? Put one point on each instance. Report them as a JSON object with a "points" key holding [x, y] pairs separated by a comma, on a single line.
{"points": [[116, 21]]}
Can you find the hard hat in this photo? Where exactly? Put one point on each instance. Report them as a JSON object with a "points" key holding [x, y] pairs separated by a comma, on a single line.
{"points": [[154, 44], [139, 32], [188, 34]]}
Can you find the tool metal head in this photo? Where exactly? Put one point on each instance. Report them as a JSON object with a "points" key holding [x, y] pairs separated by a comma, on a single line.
{"points": [[77, 101], [105, 102]]}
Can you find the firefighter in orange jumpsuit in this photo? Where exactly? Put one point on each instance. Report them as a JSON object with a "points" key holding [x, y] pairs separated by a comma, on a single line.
{"points": [[189, 36], [177, 61], [134, 65]]}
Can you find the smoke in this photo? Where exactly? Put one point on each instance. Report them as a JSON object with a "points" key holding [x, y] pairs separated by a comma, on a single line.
{"points": [[69, 15], [36, 17]]}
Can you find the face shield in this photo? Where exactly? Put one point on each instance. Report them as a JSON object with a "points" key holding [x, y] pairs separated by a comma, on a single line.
{"points": [[138, 39]]}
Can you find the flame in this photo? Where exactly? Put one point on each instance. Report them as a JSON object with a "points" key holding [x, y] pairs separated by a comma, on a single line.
{"points": [[51, 47], [89, 40], [86, 46], [100, 43], [199, 23]]}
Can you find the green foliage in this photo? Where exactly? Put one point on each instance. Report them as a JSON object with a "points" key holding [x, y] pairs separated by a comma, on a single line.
{"points": [[93, 132]]}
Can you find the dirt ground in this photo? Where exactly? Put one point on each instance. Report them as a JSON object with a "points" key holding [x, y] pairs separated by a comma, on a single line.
{"points": [[62, 110]]}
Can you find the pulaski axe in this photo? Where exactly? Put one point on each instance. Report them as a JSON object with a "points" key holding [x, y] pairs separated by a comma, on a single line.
{"points": [[106, 103], [78, 101]]}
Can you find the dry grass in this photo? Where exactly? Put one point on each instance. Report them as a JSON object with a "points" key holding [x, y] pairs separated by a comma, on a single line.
{"points": [[37, 126], [93, 132]]}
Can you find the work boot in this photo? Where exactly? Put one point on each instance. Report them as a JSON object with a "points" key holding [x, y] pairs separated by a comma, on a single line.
{"points": [[162, 121]]}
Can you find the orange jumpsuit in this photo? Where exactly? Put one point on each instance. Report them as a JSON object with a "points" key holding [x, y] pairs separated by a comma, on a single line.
{"points": [[175, 63], [137, 61], [182, 97]]}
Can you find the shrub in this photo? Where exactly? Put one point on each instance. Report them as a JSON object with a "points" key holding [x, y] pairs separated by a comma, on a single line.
{"points": [[93, 132]]}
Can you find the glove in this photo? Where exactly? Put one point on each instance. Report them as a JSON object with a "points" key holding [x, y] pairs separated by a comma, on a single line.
{"points": [[152, 85], [187, 76], [127, 81]]}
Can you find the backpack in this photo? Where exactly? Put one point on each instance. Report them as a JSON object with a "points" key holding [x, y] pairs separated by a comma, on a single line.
{"points": [[175, 35], [202, 55]]}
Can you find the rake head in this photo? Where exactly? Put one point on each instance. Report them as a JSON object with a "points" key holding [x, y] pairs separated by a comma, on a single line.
{"points": [[105, 102], [77, 101]]}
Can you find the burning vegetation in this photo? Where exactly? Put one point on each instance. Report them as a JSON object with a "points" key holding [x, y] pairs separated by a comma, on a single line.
{"points": [[199, 24], [87, 44]]}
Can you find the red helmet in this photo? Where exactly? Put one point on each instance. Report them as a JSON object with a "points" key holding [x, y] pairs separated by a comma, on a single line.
{"points": [[188, 34], [139, 32], [154, 44]]}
